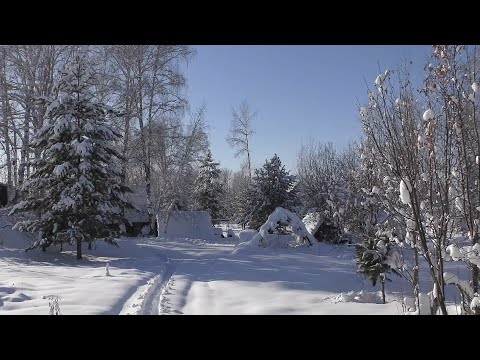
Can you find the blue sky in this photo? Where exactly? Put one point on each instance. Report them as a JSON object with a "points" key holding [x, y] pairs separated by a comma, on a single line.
{"points": [[300, 92]]}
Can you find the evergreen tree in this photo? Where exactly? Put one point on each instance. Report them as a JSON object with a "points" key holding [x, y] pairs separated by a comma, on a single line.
{"points": [[372, 261], [209, 188], [74, 194], [272, 187]]}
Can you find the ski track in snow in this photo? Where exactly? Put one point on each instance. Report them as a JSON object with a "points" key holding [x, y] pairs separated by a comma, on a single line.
{"points": [[149, 301]]}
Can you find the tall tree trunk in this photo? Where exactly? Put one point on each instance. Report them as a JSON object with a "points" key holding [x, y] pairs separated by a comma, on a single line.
{"points": [[79, 139], [79, 249], [415, 280], [249, 164], [146, 162], [5, 114], [25, 141], [6, 135], [475, 277], [123, 176], [382, 280], [15, 157], [475, 272]]}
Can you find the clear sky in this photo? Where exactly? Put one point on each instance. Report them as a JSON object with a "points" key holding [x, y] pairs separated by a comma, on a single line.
{"points": [[300, 92]]}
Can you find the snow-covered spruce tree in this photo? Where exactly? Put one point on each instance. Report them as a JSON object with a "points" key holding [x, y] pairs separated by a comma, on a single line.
{"points": [[209, 188], [272, 187], [74, 194]]}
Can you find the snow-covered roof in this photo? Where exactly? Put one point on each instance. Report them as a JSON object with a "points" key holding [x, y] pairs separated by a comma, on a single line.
{"points": [[139, 199]]}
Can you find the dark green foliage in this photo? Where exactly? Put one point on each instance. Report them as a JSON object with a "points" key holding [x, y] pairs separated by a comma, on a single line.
{"points": [[371, 260], [209, 188], [74, 195], [372, 257], [328, 232], [272, 187]]}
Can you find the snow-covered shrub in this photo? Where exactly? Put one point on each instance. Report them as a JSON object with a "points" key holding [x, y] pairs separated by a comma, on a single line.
{"points": [[282, 217], [327, 182]]}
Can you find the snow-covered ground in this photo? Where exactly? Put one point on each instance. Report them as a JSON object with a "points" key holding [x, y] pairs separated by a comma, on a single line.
{"points": [[188, 276], [209, 279]]}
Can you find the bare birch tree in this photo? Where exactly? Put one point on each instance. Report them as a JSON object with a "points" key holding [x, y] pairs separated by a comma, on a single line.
{"points": [[241, 131]]}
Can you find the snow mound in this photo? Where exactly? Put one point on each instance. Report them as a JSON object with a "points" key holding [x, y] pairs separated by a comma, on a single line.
{"points": [[187, 224], [280, 216], [312, 221], [247, 235], [360, 297]]}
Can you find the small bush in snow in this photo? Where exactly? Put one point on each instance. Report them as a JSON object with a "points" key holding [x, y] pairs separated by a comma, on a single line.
{"points": [[372, 262]]}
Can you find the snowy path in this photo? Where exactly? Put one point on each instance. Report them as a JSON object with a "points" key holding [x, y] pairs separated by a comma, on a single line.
{"points": [[181, 276], [187, 276], [153, 297], [206, 278]]}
